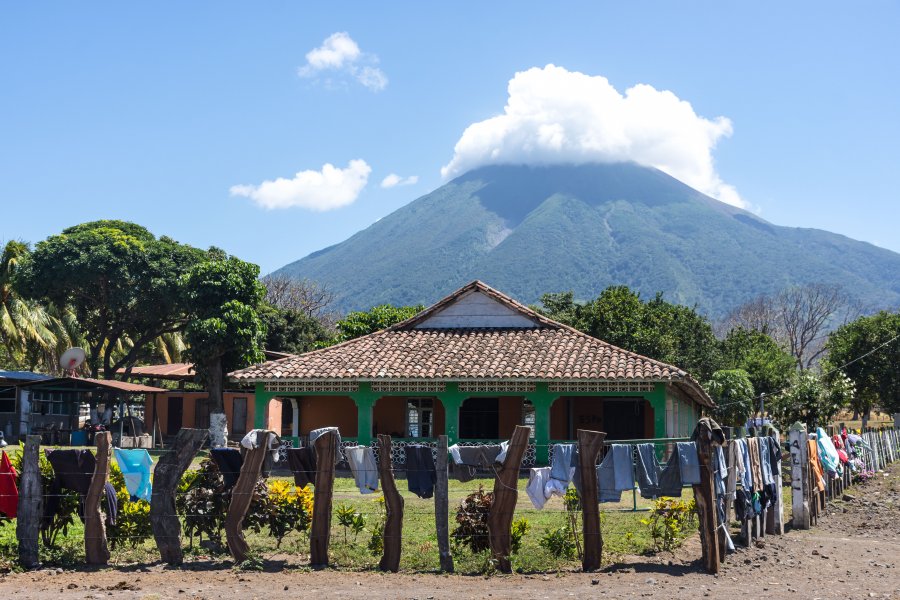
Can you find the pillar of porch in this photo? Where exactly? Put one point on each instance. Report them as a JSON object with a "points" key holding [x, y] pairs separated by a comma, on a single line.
{"points": [[260, 405], [657, 400], [295, 418], [542, 400], [451, 400], [365, 400]]}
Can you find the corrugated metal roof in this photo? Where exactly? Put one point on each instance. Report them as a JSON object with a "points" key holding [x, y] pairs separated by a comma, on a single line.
{"points": [[86, 383], [23, 375]]}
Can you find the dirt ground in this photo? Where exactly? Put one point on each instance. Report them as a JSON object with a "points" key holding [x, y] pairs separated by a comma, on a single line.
{"points": [[852, 553]]}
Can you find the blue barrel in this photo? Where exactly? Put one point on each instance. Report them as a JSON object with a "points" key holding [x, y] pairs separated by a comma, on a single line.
{"points": [[79, 438]]}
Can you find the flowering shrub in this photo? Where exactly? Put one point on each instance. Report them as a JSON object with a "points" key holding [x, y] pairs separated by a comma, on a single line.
{"points": [[863, 476], [667, 521], [287, 508]]}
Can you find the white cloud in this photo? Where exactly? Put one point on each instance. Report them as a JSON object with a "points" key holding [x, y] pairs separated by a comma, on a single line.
{"points": [[393, 180], [555, 116], [340, 54], [319, 191]]}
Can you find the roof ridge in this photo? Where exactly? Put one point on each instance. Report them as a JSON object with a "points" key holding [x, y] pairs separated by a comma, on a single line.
{"points": [[480, 286]]}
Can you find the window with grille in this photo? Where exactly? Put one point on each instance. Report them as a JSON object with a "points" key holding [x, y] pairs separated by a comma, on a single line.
{"points": [[419, 417]]}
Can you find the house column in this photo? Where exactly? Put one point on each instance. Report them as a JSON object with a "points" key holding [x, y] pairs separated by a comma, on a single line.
{"points": [[542, 400], [295, 418], [451, 400], [657, 400], [260, 406], [365, 400]]}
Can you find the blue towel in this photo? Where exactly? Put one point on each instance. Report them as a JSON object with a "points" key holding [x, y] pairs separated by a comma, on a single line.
{"points": [[135, 466]]}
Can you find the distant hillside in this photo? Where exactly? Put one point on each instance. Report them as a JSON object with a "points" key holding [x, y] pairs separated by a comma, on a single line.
{"points": [[531, 230]]}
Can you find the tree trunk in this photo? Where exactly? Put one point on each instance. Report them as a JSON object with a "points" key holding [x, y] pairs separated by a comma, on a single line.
{"points": [[218, 423], [95, 549]]}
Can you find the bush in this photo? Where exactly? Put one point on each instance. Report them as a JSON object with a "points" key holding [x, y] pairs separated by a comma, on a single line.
{"points": [[560, 542], [667, 521], [133, 518], [287, 508], [202, 503], [519, 528], [471, 521]]}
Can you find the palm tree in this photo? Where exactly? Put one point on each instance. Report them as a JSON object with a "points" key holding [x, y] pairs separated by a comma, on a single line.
{"points": [[31, 334]]}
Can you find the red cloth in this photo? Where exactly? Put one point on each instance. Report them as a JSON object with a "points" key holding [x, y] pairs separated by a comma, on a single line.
{"points": [[9, 493], [843, 456]]}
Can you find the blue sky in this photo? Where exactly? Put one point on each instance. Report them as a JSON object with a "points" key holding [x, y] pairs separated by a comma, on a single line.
{"points": [[155, 112]]}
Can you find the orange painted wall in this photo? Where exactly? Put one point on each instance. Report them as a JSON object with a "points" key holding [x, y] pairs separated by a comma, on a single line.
{"points": [[189, 410], [559, 419], [389, 416], [328, 411], [587, 413], [510, 415]]}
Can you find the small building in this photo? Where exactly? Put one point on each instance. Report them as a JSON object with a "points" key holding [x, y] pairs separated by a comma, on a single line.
{"points": [[471, 367], [57, 407], [172, 409]]}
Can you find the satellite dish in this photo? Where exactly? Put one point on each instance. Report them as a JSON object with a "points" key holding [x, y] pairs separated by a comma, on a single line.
{"points": [[72, 359]]}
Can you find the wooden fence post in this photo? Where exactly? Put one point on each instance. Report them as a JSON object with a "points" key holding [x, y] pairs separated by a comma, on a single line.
{"points": [[95, 549], [392, 535], [242, 496], [31, 504], [705, 497], [441, 506], [320, 533], [505, 495], [800, 506], [590, 443], [166, 477]]}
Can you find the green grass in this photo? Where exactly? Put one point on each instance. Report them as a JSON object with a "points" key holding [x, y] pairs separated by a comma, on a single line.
{"points": [[623, 533]]}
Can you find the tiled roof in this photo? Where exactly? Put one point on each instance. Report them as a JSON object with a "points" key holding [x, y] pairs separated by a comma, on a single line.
{"points": [[549, 351], [452, 354]]}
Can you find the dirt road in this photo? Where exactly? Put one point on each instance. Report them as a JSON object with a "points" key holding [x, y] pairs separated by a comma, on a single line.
{"points": [[852, 553]]}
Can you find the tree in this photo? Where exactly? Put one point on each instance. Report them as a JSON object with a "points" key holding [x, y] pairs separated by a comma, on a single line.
{"points": [[301, 295], [357, 324], [867, 350], [808, 400], [32, 334], [224, 331], [121, 283], [734, 396], [292, 330], [767, 364], [657, 329], [798, 317]]}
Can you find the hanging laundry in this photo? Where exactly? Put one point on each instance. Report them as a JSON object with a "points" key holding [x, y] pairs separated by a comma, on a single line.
{"points": [[775, 458], [828, 453], [420, 470], [562, 464], [765, 459], [688, 462], [9, 493], [467, 459], [273, 443], [229, 462], [653, 479], [813, 450], [302, 462], [615, 473], [537, 480], [316, 433], [136, 466], [73, 470], [362, 464], [720, 470], [755, 466]]}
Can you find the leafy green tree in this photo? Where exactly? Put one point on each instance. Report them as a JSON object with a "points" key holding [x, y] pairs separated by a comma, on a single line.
{"points": [[121, 282], [767, 364], [357, 324], [657, 329], [808, 400], [291, 330], [867, 351], [224, 331], [734, 396]]}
